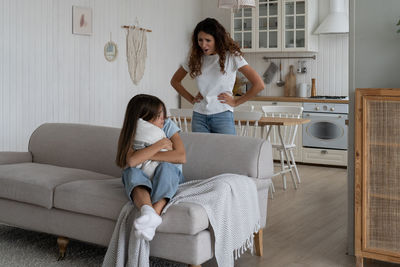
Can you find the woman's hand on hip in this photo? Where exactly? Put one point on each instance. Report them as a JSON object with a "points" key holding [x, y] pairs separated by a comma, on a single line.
{"points": [[227, 98], [197, 98]]}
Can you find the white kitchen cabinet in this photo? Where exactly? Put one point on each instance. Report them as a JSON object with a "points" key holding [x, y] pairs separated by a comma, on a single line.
{"points": [[324, 156], [243, 25], [276, 25]]}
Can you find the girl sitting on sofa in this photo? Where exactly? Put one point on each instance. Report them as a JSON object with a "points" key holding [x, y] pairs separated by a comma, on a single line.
{"points": [[150, 195]]}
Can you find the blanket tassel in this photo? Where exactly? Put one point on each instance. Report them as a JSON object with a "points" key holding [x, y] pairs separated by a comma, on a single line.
{"points": [[248, 244]]}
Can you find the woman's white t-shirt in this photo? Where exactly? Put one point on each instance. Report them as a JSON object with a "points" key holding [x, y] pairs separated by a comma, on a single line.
{"points": [[213, 82]]}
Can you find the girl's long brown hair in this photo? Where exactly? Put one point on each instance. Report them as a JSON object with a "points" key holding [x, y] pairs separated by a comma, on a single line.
{"points": [[141, 106], [223, 43]]}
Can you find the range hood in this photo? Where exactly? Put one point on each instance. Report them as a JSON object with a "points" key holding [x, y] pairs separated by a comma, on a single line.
{"points": [[236, 4], [337, 21]]}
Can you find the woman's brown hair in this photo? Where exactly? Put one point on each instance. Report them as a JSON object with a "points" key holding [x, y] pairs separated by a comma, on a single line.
{"points": [[142, 106], [223, 43]]}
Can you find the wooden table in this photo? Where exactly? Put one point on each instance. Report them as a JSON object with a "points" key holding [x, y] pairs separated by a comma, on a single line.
{"points": [[279, 122], [265, 121]]}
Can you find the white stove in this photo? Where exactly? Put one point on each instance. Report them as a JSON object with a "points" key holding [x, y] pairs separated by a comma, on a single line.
{"points": [[327, 128]]}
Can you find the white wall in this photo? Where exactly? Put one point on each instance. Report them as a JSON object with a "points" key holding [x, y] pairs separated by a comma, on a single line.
{"points": [[330, 68], [374, 63], [48, 74]]}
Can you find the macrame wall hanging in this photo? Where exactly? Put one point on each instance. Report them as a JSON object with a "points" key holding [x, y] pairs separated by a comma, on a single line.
{"points": [[136, 51]]}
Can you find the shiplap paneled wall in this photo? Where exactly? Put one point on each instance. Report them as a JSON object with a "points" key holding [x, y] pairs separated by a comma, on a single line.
{"points": [[330, 69], [48, 74], [333, 65]]}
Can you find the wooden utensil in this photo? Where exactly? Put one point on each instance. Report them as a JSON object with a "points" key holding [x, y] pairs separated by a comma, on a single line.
{"points": [[290, 83], [313, 88]]}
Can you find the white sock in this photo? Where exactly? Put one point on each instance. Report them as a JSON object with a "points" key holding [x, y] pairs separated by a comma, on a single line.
{"points": [[146, 234], [148, 219], [147, 223]]}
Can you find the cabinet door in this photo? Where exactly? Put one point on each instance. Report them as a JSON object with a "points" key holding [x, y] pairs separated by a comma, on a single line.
{"points": [[294, 25], [243, 28], [381, 197], [276, 25], [324, 156], [268, 28]]}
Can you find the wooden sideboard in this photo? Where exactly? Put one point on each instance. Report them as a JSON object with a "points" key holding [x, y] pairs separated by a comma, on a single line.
{"points": [[377, 175]]}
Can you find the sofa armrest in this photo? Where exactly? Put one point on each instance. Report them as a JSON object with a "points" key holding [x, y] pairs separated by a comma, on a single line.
{"points": [[8, 157]]}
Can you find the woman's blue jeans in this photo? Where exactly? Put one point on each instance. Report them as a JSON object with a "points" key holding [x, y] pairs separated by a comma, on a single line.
{"points": [[164, 184], [222, 123]]}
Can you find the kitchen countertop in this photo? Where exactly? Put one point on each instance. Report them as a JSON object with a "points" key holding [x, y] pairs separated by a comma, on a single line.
{"points": [[298, 99]]}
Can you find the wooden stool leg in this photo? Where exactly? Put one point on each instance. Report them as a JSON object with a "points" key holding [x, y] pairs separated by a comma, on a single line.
{"points": [[62, 246], [359, 261], [258, 242]]}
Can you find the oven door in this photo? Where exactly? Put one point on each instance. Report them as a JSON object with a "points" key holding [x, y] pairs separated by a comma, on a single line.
{"points": [[325, 130]]}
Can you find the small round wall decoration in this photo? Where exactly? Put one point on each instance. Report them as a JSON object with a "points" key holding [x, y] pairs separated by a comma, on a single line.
{"points": [[110, 51]]}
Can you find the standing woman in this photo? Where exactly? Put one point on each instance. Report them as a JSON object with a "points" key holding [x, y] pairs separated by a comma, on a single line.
{"points": [[214, 60]]}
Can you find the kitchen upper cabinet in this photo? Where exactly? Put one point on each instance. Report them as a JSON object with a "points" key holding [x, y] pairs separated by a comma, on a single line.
{"points": [[269, 25], [276, 25], [243, 25]]}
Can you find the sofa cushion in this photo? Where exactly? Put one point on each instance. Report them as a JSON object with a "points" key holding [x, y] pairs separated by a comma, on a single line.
{"points": [[103, 198], [106, 198], [34, 183]]}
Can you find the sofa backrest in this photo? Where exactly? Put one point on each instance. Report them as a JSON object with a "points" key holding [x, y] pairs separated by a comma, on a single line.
{"points": [[79, 146], [212, 154], [94, 148]]}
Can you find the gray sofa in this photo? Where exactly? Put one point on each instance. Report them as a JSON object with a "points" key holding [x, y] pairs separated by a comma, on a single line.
{"points": [[68, 185]]}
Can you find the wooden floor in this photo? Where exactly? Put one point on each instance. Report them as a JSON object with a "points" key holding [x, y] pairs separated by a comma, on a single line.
{"points": [[308, 226]]}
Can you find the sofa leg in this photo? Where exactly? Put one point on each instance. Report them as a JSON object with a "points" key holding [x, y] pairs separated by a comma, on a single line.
{"points": [[62, 246], [258, 242], [190, 265]]}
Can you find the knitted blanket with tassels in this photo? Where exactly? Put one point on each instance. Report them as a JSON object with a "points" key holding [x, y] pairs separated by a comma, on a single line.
{"points": [[231, 203]]}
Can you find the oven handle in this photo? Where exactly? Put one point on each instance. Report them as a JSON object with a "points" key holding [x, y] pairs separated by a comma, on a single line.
{"points": [[324, 115]]}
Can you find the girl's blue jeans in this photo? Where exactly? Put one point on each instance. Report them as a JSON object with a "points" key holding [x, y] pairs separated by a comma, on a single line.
{"points": [[222, 123], [164, 184]]}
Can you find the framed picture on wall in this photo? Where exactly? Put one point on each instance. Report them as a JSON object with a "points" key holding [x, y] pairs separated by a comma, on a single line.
{"points": [[81, 20]]}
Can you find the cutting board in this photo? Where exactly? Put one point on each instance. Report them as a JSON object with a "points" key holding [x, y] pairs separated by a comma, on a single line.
{"points": [[290, 83]]}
